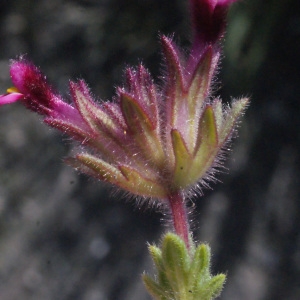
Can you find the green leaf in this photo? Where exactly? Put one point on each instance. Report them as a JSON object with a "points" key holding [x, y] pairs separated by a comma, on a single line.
{"points": [[176, 261], [156, 290], [182, 274], [200, 266], [216, 284], [156, 255]]}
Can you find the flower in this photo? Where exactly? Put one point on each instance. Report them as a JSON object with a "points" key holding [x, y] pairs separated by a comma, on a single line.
{"points": [[155, 141], [208, 19]]}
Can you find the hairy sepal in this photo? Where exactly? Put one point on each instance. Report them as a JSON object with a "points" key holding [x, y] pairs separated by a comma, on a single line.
{"points": [[124, 176], [231, 117], [174, 91], [142, 129], [207, 145], [197, 93], [141, 87], [183, 161]]}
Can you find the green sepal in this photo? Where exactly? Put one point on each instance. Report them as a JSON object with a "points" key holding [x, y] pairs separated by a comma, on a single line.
{"points": [[124, 176], [197, 93], [206, 146], [87, 108], [207, 133], [142, 128], [237, 109], [183, 160]]}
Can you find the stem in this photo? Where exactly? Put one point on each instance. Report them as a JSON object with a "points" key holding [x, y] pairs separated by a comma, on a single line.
{"points": [[180, 220]]}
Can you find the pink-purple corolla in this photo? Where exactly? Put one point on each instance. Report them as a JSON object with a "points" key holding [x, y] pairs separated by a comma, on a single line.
{"points": [[155, 141]]}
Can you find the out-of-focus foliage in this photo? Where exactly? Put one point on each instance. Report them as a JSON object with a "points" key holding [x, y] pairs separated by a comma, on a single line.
{"points": [[63, 237]]}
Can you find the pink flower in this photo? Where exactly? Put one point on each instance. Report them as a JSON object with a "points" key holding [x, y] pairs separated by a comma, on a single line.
{"points": [[153, 141], [208, 19]]}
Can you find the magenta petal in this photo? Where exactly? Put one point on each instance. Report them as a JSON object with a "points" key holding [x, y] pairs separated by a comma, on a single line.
{"points": [[225, 2], [29, 80], [10, 98], [23, 74], [208, 21]]}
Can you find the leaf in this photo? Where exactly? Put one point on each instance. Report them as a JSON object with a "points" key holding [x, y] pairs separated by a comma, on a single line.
{"points": [[200, 267], [216, 284], [155, 289], [186, 275], [162, 279], [176, 261]]}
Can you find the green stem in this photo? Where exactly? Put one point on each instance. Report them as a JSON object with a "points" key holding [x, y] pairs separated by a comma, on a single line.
{"points": [[180, 221]]}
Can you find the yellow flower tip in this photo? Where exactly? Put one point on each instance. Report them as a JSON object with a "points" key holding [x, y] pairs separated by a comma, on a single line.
{"points": [[12, 89]]}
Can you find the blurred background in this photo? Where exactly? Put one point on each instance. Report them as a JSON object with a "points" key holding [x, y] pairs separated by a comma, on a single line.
{"points": [[64, 236]]}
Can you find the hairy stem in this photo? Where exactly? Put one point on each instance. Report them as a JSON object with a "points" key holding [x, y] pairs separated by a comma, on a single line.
{"points": [[180, 221]]}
